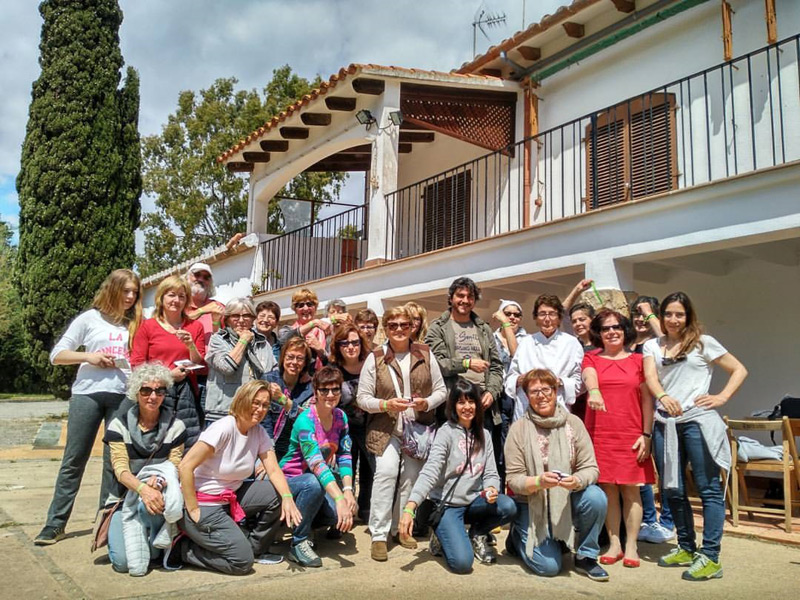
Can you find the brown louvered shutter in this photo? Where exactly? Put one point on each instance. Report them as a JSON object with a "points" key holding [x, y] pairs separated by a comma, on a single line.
{"points": [[447, 211], [636, 154]]}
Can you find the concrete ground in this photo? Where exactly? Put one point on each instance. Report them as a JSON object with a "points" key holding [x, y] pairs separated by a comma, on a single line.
{"points": [[68, 569]]}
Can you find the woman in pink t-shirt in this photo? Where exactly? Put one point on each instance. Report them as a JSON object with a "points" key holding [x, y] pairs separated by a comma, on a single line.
{"points": [[229, 522]]}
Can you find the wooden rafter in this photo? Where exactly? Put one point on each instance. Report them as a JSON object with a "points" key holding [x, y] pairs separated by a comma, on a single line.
{"points": [[625, 6], [260, 157], [294, 133], [240, 167], [529, 52], [373, 87], [417, 137], [727, 32], [340, 103], [772, 21], [274, 145], [574, 30], [315, 119]]}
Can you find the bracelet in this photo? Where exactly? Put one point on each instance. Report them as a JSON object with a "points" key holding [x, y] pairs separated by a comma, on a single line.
{"points": [[661, 395], [647, 435], [347, 488], [289, 495], [139, 489], [216, 323], [385, 406], [465, 364], [408, 511], [507, 324], [650, 316], [537, 481], [595, 391], [243, 342], [282, 400], [339, 497]]}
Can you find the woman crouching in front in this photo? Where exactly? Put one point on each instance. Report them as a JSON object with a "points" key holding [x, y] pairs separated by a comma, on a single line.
{"points": [[231, 523], [462, 458], [551, 468]]}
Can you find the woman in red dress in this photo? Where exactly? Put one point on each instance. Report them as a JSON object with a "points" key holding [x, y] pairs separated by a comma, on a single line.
{"points": [[620, 422]]}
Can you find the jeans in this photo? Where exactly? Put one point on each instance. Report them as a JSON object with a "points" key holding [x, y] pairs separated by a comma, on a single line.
{"points": [[317, 507], [588, 515], [218, 543], [364, 465], [85, 415], [389, 498], [692, 450], [116, 539], [649, 513], [482, 518]]}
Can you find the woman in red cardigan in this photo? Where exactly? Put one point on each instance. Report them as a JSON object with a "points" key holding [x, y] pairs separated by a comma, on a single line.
{"points": [[171, 338]]}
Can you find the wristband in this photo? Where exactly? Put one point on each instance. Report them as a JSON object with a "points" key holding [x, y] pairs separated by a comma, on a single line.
{"points": [[465, 364], [385, 406], [408, 511], [347, 488], [282, 400], [139, 489], [661, 395], [216, 323], [289, 495], [650, 316], [647, 435], [507, 324], [595, 392], [243, 342], [537, 479], [339, 497]]}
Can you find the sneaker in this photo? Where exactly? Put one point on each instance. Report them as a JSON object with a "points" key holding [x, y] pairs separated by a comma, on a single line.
{"points": [[333, 534], [702, 568], [303, 554], [589, 567], [173, 558], [655, 533], [49, 535], [678, 557], [491, 538], [269, 559], [511, 549], [435, 546], [483, 551], [379, 551]]}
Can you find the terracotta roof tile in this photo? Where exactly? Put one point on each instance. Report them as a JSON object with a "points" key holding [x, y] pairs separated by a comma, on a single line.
{"points": [[333, 81]]}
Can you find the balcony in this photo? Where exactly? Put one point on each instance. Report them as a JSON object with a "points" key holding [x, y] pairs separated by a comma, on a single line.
{"points": [[735, 118]]}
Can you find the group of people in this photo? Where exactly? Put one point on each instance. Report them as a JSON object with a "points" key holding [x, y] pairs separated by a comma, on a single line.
{"points": [[225, 431]]}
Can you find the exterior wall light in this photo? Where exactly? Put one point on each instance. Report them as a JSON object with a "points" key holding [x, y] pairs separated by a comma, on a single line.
{"points": [[365, 118]]}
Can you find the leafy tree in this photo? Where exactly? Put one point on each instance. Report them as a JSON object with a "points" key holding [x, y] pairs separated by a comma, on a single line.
{"points": [[80, 177], [199, 204]]}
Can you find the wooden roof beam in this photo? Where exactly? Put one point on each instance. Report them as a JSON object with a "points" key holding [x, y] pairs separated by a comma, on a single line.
{"points": [[323, 166], [625, 6], [367, 149], [294, 133], [274, 145], [530, 53], [241, 167], [574, 30], [340, 103], [316, 119], [259, 157], [417, 137], [373, 87]]}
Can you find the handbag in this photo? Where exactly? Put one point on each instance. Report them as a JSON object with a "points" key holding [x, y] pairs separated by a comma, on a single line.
{"points": [[417, 437], [789, 406], [441, 505]]}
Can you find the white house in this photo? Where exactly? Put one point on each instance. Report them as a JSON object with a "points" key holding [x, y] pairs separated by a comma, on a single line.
{"points": [[651, 145]]}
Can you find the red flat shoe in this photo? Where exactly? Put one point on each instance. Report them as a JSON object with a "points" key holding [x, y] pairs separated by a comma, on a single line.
{"points": [[610, 560], [631, 563]]}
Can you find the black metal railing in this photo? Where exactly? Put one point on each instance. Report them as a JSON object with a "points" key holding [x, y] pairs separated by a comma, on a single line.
{"points": [[734, 118], [327, 247]]}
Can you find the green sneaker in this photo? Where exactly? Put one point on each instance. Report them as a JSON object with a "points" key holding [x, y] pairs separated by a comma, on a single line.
{"points": [[703, 568], [678, 557]]}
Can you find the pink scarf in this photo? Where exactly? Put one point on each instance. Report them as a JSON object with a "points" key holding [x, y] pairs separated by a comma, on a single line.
{"points": [[229, 497]]}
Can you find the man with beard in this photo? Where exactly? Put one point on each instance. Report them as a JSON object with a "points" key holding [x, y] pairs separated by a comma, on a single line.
{"points": [[464, 346], [202, 308]]}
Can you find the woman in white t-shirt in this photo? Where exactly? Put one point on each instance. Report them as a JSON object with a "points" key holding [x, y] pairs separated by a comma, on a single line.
{"points": [[230, 522], [103, 332], [678, 368]]}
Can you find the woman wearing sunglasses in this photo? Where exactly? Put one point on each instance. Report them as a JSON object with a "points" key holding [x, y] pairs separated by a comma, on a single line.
{"points": [[399, 381], [146, 445], [678, 368], [349, 349], [319, 469], [620, 423], [313, 330]]}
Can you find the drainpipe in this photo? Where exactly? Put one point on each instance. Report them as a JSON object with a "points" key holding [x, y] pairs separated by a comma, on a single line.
{"points": [[630, 25]]}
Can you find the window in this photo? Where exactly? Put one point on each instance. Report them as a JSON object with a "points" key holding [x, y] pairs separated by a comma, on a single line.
{"points": [[631, 151], [447, 212]]}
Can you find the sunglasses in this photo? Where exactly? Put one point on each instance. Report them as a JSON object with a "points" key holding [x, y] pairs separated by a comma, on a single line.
{"points": [[607, 328], [146, 392], [346, 343], [305, 305], [396, 326], [668, 360], [516, 315], [329, 391]]}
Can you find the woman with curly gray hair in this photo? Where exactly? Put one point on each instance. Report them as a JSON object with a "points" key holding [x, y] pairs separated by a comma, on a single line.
{"points": [[146, 443]]}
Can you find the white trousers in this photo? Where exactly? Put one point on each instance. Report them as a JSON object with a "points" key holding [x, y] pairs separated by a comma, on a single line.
{"points": [[385, 489]]}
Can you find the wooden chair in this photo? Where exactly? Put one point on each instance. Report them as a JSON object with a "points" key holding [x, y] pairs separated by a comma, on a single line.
{"points": [[789, 468]]}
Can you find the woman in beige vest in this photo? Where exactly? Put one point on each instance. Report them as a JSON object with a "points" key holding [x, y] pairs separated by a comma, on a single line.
{"points": [[398, 378]]}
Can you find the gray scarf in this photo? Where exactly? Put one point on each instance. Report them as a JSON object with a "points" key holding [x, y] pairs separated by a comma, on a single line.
{"points": [[549, 511]]}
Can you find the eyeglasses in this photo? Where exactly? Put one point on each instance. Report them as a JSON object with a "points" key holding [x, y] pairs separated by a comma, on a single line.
{"points": [[330, 391], [545, 391], [367, 327], [308, 304], [607, 328], [396, 326], [547, 315], [268, 317], [516, 315], [145, 392], [260, 405], [346, 343], [295, 358], [240, 317], [668, 360]]}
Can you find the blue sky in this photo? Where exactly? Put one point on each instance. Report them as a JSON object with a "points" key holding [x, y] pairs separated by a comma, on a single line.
{"points": [[187, 44]]}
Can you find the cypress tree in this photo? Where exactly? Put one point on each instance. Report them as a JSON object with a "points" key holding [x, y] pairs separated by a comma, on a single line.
{"points": [[80, 177]]}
